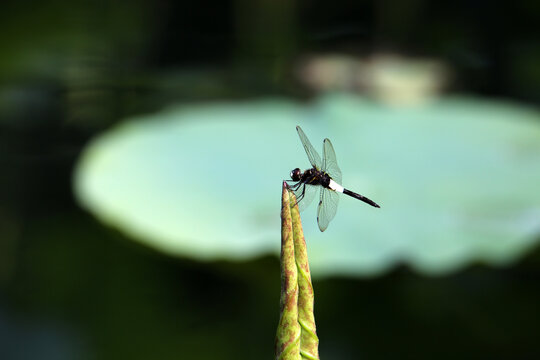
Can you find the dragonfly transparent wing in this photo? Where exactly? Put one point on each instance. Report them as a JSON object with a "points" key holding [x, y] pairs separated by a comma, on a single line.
{"points": [[312, 154], [327, 208], [330, 165], [305, 195]]}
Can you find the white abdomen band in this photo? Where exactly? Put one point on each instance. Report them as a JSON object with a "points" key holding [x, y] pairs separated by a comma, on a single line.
{"points": [[335, 186]]}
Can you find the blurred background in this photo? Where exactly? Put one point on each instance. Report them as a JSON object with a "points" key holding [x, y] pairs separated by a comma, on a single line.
{"points": [[72, 287]]}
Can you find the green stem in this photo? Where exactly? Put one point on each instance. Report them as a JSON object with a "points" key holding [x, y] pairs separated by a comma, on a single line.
{"points": [[296, 336]]}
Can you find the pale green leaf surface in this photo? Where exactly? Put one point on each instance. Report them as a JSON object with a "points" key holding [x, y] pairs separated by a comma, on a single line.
{"points": [[457, 181]]}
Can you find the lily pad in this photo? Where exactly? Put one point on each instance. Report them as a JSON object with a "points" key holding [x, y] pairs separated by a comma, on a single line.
{"points": [[457, 181]]}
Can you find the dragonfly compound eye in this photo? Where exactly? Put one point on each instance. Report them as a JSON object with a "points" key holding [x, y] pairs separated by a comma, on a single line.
{"points": [[295, 174]]}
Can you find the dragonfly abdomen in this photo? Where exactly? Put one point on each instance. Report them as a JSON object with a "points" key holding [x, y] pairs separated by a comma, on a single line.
{"points": [[361, 197], [335, 186]]}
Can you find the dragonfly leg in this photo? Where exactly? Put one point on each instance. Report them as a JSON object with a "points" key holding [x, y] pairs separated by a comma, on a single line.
{"points": [[294, 187]]}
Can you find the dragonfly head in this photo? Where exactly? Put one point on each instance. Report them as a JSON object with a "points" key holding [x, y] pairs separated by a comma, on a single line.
{"points": [[296, 174]]}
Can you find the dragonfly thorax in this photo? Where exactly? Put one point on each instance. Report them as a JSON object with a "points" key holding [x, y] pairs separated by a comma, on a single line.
{"points": [[311, 177]]}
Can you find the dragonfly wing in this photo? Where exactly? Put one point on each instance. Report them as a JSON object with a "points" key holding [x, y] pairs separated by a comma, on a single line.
{"points": [[327, 208], [330, 165], [312, 154], [305, 195]]}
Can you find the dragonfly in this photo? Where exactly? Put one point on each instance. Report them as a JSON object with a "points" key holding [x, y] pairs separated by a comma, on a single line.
{"points": [[325, 175]]}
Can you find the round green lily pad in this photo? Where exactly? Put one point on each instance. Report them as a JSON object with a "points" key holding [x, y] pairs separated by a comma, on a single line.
{"points": [[458, 181]]}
